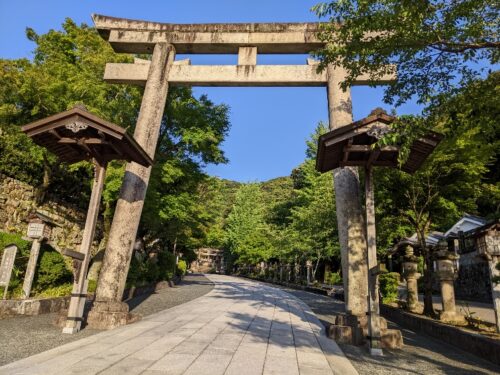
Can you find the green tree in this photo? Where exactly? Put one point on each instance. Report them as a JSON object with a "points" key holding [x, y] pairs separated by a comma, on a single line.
{"points": [[457, 177], [314, 219], [67, 68], [248, 236], [436, 45]]}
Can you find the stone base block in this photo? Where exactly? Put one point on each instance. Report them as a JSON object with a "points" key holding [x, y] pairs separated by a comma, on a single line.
{"points": [[346, 334], [446, 316], [109, 314], [353, 330], [392, 339]]}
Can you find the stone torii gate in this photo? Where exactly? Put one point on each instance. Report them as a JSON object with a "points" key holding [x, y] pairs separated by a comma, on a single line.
{"points": [[247, 40]]}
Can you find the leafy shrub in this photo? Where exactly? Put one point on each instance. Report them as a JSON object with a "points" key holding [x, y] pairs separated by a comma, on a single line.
{"points": [[11, 238], [51, 270], [136, 272], [153, 273], [92, 286], [389, 286], [166, 265], [57, 291], [333, 278], [181, 267]]}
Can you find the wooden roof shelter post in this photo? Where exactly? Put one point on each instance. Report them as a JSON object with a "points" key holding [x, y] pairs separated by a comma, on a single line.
{"points": [[351, 145], [77, 135], [247, 40]]}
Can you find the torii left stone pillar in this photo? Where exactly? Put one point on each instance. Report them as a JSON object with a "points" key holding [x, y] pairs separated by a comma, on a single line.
{"points": [[108, 310]]}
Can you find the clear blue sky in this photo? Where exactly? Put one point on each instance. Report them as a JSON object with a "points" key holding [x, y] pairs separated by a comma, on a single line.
{"points": [[259, 116]]}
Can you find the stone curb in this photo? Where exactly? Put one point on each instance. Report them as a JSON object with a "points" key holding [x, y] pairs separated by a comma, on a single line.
{"points": [[474, 343]]}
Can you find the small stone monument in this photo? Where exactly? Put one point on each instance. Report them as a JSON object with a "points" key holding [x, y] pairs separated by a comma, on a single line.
{"points": [[8, 258]]}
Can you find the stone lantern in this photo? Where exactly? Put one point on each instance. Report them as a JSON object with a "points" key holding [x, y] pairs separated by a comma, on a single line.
{"points": [[309, 272], [411, 275], [446, 272]]}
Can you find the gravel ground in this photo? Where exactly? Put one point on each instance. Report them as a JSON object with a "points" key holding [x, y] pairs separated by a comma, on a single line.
{"points": [[421, 354], [24, 336]]}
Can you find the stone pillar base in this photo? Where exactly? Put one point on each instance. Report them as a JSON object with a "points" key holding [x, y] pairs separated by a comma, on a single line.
{"points": [[451, 316], [110, 314], [353, 330]]}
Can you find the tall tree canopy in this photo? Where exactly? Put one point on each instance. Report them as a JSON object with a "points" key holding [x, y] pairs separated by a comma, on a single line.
{"points": [[67, 68], [436, 45]]}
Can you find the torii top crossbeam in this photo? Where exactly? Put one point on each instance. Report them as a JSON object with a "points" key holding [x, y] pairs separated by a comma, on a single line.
{"points": [[134, 36], [245, 39]]}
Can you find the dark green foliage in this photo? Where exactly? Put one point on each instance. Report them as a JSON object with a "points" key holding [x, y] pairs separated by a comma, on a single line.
{"points": [[437, 46], [333, 278], [166, 264], [51, 271], [389, 286], [135, 272]]}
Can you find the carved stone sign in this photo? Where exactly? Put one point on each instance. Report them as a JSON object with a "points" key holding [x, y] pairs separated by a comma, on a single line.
{"points": [[8, 257], [38, 230]]}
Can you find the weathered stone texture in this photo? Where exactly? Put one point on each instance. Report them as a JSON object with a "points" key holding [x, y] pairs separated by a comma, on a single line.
{"points": [[9, 308], [17, 202], [473, 282]]}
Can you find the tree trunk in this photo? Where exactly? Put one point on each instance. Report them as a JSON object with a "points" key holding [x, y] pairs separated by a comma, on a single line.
{"points": [[428, 270]]}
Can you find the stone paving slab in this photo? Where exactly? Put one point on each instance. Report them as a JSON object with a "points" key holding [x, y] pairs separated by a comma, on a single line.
{"points": [[240, 327]]}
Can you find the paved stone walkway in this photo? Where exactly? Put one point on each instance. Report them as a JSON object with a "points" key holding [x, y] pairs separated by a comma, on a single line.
{"points": [[421, 354], [24, 336], [240, 327]]}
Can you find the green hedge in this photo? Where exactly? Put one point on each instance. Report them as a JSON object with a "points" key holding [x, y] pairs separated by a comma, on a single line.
{"points": [[333, 278], [389, 286]]}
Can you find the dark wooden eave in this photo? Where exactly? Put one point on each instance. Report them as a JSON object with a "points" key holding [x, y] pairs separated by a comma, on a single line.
{"points": [[76, 135], [352, 145]]}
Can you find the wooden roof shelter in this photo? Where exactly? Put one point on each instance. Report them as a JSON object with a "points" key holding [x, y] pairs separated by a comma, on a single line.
{"points": [[77, 135], [74, 136], [352, 145]]}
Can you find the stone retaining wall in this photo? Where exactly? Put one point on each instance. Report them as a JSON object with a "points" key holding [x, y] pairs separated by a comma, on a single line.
{"points": [[17, 202], [475, 343], [30, 307]]}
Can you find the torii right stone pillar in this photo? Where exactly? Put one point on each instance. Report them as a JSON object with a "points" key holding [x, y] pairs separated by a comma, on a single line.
{"points": [[350, 220], [108, 310]]}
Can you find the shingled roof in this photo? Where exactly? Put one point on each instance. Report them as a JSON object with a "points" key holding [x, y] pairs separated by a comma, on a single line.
{"points": [[77, 135], [352, 145]]}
